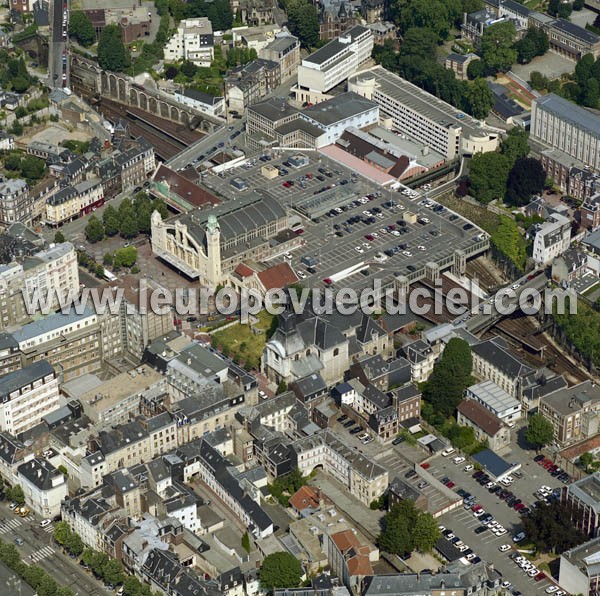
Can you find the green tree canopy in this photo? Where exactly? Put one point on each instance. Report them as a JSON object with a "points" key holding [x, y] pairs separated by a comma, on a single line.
{"points": [[534, 43], [280, 570], [110, 218], [59, 237], [112, 53], [81, 28], [497, 46], [94, 231], [303, 21], [425, 533], [539, 431], [526, 178], [551, 529], [125, 257], [478, 99]]}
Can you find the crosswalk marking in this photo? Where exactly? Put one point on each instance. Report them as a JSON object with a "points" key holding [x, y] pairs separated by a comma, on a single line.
{"points": [[49, 529], [8, 526], [44, 552]]}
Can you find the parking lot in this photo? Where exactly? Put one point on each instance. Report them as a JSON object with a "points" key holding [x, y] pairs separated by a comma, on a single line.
{"points": [[355, 225], [486, 544]]}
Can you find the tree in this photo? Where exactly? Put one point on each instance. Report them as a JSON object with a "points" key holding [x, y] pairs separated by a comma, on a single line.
{"points": [[585, 460], [488, 175], [526, 178], [578, 4], [125, 257], [396, 536], [425, 533], [112, 54], [280, 570], [61, 533], [539, 432], [94, 231], [108, 259], [551, 529], [478, 99], [220, 14], [476, 69], [303, 22], [450, 377], [110, 218], [560, 9], [74, 544], [81, 28], [246, 542], [538, 80], [591, 93], [59, 237], [515, 145], [32, 168], [497, 46], [281, 388], [419, 42], [63, 470], [430, 14], [112, 572], [533, 43]]}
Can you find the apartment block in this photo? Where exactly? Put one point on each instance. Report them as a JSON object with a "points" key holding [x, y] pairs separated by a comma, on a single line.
{"points": [[362, 477], [422, 116], [43, 485], [192, 41], [563, 125], [53, 271], [70, 342], [16, 204], [574, 412], [285, 51], [333, 63], [74, 201], [27, 396], [579, 571]]}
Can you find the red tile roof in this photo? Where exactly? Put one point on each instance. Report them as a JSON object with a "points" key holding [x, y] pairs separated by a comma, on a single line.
{"points": [[244, 271], [304, 497], [489, 423], [356, 555], [277, 276], [188, 191]]}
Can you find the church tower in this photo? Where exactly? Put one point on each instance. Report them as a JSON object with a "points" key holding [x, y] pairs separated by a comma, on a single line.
{"points": [[213, 252]]}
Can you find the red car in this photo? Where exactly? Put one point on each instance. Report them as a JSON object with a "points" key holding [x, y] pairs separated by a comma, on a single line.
{"points": [[299, 232], [540, 576], [369, 237], [425, 465], [476, 508], [327, 281], [519, 506], [548, 464], [450, 484], [309, 176], [286, 185]]}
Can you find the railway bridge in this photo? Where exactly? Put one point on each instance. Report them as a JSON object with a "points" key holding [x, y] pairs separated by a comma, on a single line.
{"points": [[90, 81]]}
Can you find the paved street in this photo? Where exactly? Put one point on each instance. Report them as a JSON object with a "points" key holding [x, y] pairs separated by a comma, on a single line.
{"points": [[40, 549], [57, 44]]}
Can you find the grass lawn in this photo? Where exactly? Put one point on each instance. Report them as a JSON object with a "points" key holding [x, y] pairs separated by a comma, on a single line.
{"points": [[242, 343]]}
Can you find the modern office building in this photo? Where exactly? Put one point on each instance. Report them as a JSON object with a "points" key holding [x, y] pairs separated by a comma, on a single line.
{"points": [[584, 497], [422, 116], [333, 63], [562, 125]]}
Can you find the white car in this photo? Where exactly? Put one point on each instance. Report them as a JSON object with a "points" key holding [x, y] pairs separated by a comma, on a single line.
{"points": [[45, 522], [301, 274], [500, 531], [421, 247], [468, 468], [450, 536], [551, 589], [448, 451], [490, 485], [395, 233], [459, 460], [463, 547], [407, 253], [506, 584], [533, 572], [504, 547], [470, 556], [515, 286], [359, 249], [442, 528]]}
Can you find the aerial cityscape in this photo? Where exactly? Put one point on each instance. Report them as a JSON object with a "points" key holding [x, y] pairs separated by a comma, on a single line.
{"points": [[300, 298]]}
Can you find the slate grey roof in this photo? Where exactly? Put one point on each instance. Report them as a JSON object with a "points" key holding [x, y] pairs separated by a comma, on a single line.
{"points": [[341, 107], [25, 376], [492, 352], [40, 473], [570, 112], [576, 31], [258, 210]]}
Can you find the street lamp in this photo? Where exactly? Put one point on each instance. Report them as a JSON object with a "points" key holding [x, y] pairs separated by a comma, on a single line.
{"points": [[13, 582]]}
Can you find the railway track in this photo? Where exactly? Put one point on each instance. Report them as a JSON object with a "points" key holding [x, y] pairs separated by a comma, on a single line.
{"points": [[163, 135]]}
